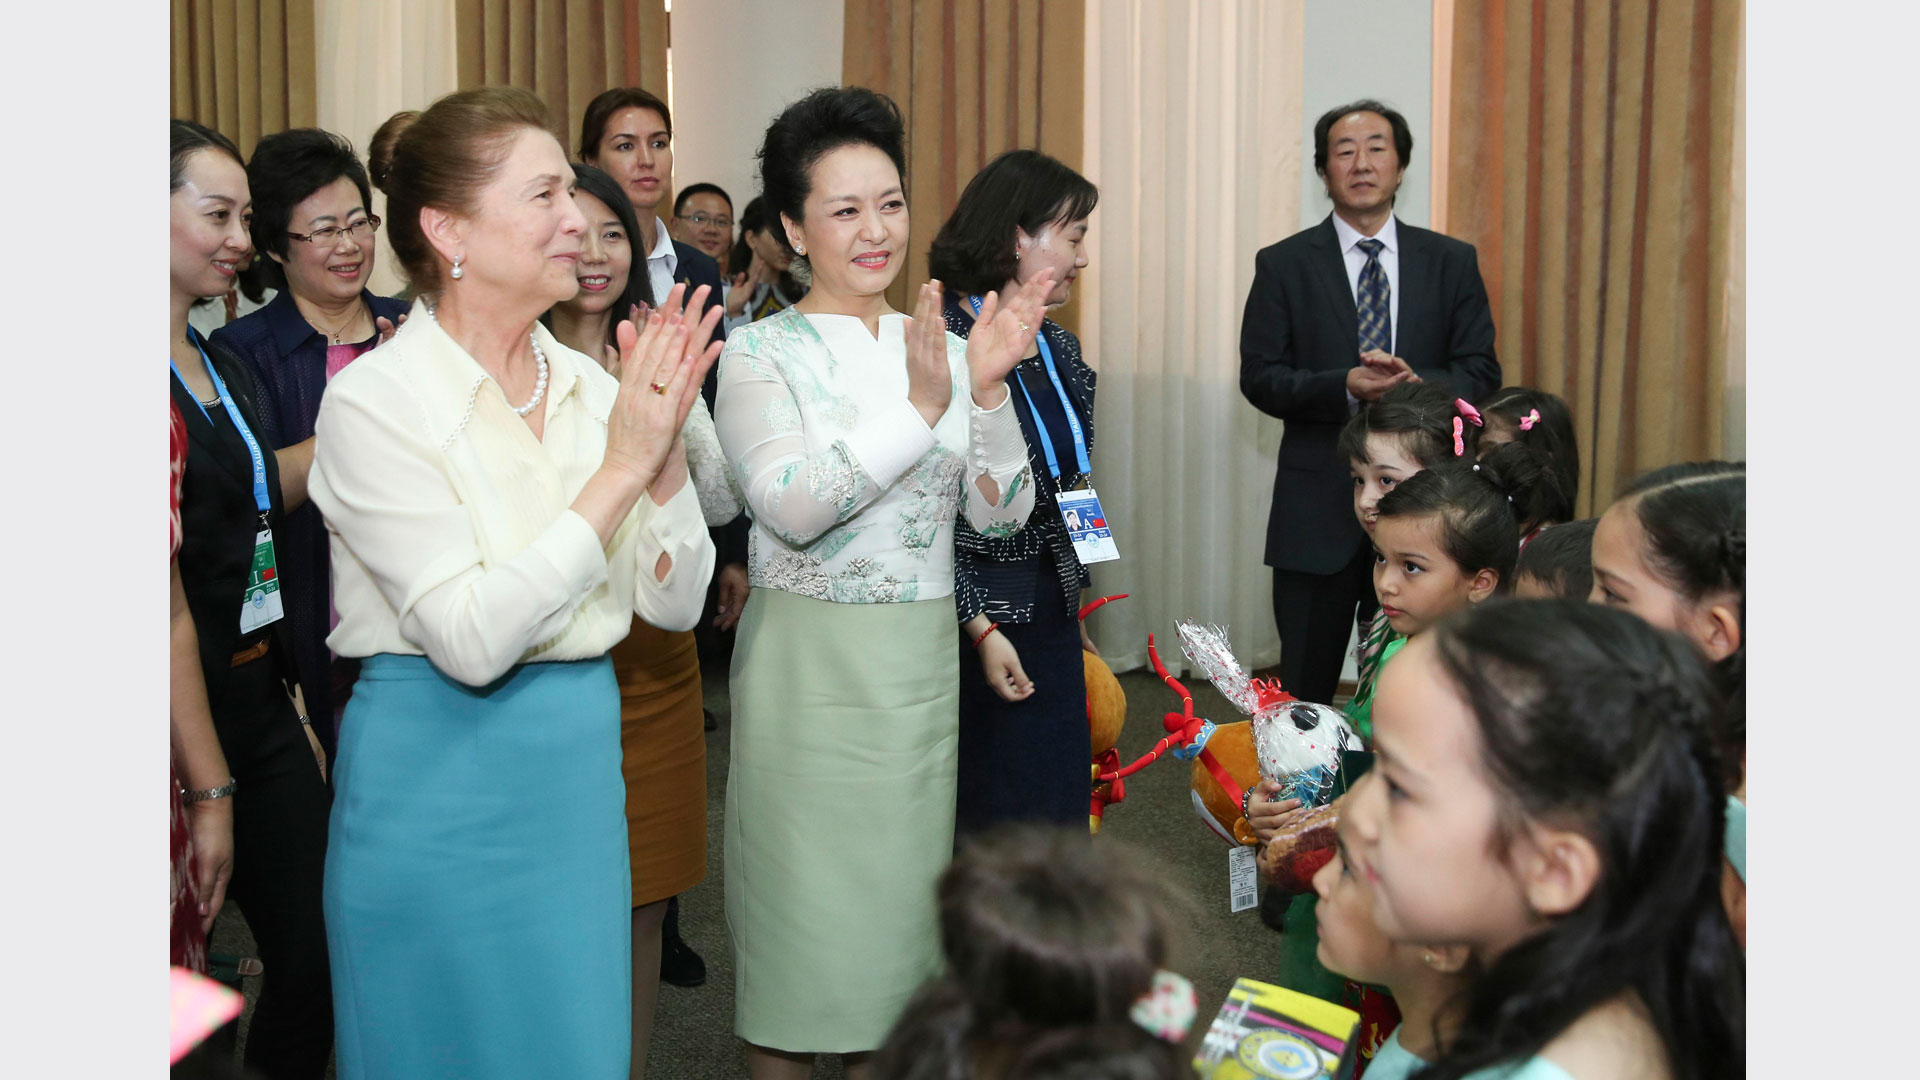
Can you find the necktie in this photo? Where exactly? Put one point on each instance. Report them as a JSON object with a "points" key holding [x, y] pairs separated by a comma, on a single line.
{"points": [[1371, 301]]}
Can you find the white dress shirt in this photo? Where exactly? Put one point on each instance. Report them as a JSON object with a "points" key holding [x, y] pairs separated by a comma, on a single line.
{"points": [[451, 526], [662, 263]]}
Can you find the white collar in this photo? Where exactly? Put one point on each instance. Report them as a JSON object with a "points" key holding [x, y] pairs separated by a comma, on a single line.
{"points": [[663, 247], [1389, 234], [446, 378]]}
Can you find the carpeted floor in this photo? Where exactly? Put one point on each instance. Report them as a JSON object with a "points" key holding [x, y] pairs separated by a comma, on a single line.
{"points": [[693, 1029]]}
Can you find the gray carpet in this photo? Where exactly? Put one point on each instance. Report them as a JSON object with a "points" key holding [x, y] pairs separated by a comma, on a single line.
{"points": [[693, 1029]]}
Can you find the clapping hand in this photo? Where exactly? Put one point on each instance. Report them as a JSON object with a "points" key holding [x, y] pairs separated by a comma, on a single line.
{"points": [[1386, 364], [929, 374], [385, 329], [661, 368], [1002, 333]]}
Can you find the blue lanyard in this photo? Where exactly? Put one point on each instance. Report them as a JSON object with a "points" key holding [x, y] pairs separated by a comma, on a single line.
{"points": [[1066, 405], [260, 496]]}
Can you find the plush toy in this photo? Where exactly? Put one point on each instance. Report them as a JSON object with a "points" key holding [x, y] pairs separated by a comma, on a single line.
{"points": [[1187, 737], [1106, 715]]}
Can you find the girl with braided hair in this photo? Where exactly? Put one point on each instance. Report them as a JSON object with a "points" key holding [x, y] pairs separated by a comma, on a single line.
{"points": [[1548, 794], [1673, 550]]}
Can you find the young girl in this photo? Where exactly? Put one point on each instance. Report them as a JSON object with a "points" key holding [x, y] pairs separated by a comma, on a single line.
{"points": [[1428, 983], [1050, 946], [1673, 550], [1540, 420], [1559, 562], [1548, 795]]}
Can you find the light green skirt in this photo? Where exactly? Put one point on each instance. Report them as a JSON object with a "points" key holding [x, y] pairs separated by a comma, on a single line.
{"points": [[839, 814]]}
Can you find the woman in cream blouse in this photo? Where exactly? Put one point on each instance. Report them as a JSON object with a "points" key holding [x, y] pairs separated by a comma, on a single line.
{"points": [[499, 509], [857, 436]]}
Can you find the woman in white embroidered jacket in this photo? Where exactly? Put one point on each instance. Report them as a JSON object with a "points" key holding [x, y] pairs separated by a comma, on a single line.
{"points": [[499, 509], [857, 436]]}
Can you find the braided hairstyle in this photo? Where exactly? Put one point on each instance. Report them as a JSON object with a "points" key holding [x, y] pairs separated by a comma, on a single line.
{"points": [[1049, 940], [1550, 432], [1592, 719], [1482, 506], [1694, 516]]}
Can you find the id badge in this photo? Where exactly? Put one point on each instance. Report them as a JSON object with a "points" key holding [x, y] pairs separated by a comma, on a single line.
{"points": [[1087, 526], [261, 605]]}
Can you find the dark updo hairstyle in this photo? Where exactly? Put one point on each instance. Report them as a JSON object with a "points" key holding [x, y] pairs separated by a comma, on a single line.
{"points": [[289, 166], [444, 159], [1591, 719], [593, 122], [1551, 434], [189, 139], [380, 147], [1561, 558], [1481, 507], [1420, 415], [809, 129], [1044, 932], [974, 251], [1695, 519], [639, 290]]}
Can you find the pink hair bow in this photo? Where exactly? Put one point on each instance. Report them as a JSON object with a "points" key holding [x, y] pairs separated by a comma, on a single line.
{"points": [[1532, 418], [1466, 410]]}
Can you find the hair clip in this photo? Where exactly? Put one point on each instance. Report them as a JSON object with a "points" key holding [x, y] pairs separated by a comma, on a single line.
{"points": [[1168, 1009], [1527, 421], [1467, 410], [1476, 466], [1459, 443]]}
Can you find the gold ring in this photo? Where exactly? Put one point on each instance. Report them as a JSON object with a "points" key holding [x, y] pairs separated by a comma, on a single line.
{"points": [[657, 388]]}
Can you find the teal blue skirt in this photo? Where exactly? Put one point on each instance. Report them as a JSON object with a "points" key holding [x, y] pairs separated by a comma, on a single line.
{"points": [[476, 881]]}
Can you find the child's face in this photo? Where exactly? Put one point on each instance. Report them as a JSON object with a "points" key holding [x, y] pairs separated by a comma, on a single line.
{"points": [[1387, 464], [1350, 943], [1420, 825], [1622, 578], [1415, 581]]}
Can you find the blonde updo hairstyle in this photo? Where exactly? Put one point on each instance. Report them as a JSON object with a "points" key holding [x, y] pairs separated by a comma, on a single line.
{"points": [[444, 160]]}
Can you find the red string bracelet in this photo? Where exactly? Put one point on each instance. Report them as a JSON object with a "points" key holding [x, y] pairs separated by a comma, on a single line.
{"points": [[991, 627]]}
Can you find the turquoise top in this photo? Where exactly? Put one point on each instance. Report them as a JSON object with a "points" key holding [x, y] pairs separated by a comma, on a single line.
{"points": [[1737, 836], [1393, 1061]]}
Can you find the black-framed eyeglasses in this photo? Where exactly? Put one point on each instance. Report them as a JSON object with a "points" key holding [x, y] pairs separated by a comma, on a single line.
{"points": [[702, 219], [362, 231]]}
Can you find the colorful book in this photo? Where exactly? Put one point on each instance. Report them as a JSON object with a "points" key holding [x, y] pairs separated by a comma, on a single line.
{"points": [[1266, 1032]]}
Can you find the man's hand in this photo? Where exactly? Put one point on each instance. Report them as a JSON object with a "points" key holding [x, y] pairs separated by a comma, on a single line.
{"points": [[1385, 363], [1368, 382]]}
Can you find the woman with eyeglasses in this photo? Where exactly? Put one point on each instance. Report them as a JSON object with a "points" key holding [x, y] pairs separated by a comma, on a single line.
{"points": [[312, 226]]}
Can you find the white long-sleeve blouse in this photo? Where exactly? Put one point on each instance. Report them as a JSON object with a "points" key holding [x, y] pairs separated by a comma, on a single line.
{"points": [[853, 497], [450, 524]]}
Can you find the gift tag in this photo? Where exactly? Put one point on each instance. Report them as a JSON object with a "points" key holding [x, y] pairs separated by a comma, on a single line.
{"points": [[1087, 526], [1242, 877], [261, 605]]}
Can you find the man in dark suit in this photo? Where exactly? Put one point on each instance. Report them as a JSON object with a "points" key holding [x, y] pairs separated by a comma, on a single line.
{"points": [[1338, 313]]}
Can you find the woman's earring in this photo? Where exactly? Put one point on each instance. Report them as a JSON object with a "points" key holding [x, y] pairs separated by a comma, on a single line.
{"points": [[799, 249], [456, 272]]}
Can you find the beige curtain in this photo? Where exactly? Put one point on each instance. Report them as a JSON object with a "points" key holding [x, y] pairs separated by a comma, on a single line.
{"points": [[244, 67], [1593, 164], [973, 78], [566, 51], [1193, 115]]}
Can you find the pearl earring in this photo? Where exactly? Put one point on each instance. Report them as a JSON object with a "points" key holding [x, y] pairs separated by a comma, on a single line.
{"points": [[799, 249], [456, 272]]}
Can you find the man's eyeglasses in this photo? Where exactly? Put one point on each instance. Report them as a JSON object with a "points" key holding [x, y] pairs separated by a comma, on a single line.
{"points": [[702, 219], [362, 231]]}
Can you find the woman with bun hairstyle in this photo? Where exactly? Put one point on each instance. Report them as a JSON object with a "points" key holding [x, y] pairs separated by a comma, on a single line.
{"points": [[858, 437]]}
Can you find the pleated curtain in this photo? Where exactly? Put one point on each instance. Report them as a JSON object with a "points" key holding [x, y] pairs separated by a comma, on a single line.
{"points": [[973, 78], [1193, 136], [244, 67], [566, 51], [1594, 163]]}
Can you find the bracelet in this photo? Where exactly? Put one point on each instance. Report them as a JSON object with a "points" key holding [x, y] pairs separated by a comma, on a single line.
{"points": [[1246, 804], [221, 792], [991, 627]]}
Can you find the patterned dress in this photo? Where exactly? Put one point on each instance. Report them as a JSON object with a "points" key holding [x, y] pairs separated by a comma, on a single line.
{"points": [[189, 942]]}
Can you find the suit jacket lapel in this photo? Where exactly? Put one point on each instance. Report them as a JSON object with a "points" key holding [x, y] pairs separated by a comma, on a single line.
{"points": [[1331, 269], [1416, 285], [201, 431]]}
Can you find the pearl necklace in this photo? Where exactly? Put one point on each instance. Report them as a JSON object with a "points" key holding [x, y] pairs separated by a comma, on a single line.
{"points": [[540, 370]]}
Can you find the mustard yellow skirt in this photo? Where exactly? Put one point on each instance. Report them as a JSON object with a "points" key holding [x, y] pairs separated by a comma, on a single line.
{"points": [[663, 756]]}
